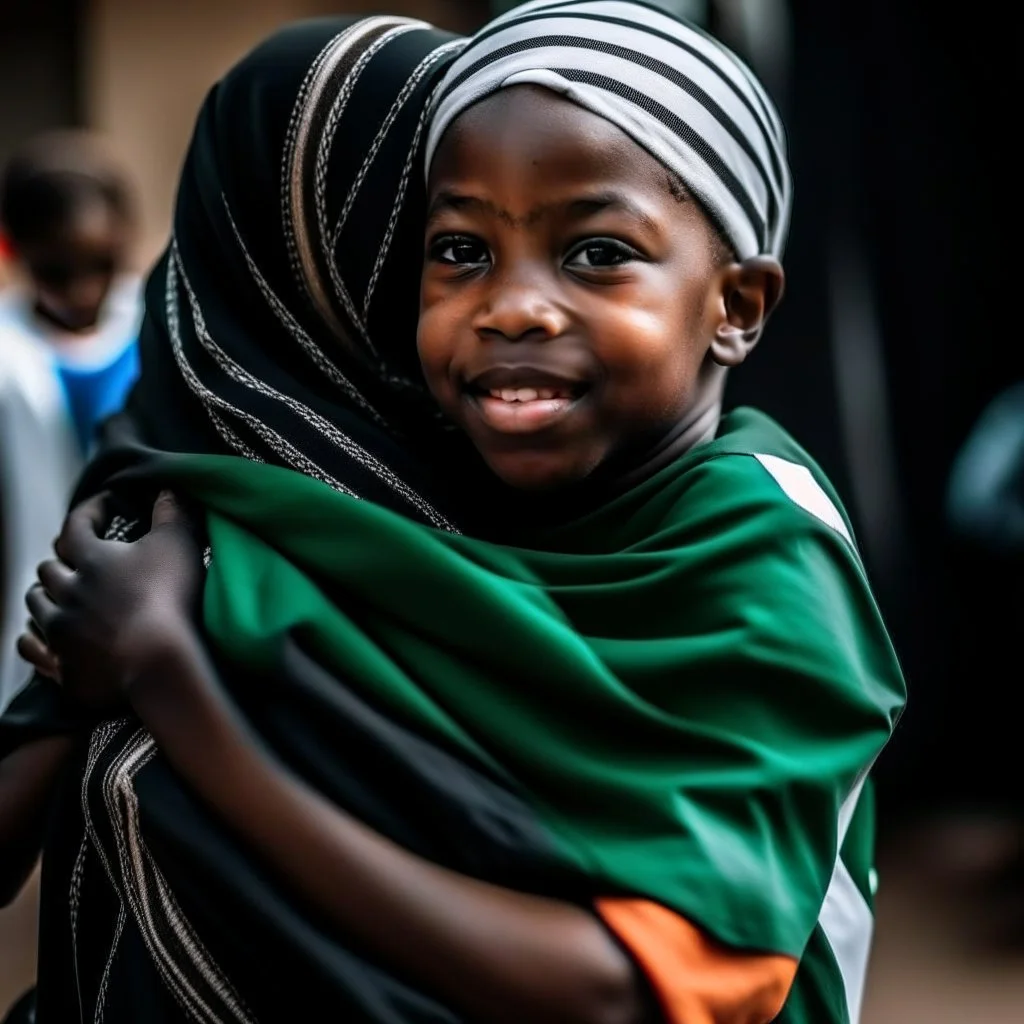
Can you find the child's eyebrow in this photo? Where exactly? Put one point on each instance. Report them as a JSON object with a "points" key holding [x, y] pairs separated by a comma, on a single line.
{"points": [[577, 209], [446, 200], [588, 206]]}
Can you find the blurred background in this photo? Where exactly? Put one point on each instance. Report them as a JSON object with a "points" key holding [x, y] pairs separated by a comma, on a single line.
{"points": [[894, 359]]}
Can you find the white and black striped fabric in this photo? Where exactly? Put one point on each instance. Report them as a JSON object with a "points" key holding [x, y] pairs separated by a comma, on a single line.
{"points": [[670, 86]]}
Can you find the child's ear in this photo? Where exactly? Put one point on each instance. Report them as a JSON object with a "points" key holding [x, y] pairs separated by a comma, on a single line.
{"points": [[750, 291]]}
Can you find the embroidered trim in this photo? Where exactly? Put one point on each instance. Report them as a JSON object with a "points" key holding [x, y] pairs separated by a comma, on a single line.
{"points": [[396, 108], [286, 452], [292, 219], [295, 329], [329, 61], [185, 966], [402, 26], [327, 429], [403, 187]]}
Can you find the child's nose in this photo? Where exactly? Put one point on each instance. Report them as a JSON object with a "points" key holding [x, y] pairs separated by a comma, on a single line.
{"points": [[520, 310]]}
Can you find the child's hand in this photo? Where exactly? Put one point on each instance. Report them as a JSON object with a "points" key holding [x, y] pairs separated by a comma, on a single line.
{"points": [[106, 609]]}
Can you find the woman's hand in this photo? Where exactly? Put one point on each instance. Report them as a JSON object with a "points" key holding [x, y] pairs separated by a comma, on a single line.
{"points": [[32, 647], [104, 609], [496, 954]]}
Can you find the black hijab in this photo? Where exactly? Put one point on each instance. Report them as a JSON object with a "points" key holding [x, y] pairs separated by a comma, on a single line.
{"points": [[280, 324]]}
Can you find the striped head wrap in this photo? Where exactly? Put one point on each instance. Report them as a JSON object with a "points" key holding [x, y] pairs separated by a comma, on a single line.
{"points": [[671, 87]]}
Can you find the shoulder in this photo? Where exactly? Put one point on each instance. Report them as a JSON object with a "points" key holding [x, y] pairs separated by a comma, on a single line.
{"points": [[755, 477], [758, 529], [758, 485], [769, 547], [772, 554]]}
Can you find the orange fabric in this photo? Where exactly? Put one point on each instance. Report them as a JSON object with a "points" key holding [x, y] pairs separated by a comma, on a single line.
{"points": [[697, 980]]}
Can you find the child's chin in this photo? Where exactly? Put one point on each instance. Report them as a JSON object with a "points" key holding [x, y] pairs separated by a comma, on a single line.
{"points": [[534, 471]]}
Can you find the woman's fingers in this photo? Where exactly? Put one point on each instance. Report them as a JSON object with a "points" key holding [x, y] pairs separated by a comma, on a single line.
{"points": [[38, 655], [43, 610], [37, 632], [167, 511], [83, 530], [57, 579]]}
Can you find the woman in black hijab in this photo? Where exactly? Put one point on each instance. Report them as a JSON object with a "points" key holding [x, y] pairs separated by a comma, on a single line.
{"points": [[280, 327], [295, 254], [377, 778]]}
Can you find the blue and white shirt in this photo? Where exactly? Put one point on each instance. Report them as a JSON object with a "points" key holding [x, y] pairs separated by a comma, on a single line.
{"points": [[54, 391]]}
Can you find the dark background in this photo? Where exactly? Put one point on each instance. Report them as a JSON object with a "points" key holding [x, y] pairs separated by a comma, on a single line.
{"points": [[902, 121]]}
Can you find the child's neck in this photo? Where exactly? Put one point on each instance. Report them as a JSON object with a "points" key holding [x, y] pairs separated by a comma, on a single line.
{"points": [[507, 513], [689, 432]]}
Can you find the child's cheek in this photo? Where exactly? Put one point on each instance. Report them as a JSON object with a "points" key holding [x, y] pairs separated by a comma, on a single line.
{"points": [[434, 345]]}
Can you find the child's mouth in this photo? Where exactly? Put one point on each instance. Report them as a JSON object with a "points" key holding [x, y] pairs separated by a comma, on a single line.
{"points": [[514, 407]]}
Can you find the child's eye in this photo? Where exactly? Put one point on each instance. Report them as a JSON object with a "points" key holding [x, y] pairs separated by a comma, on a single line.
{"points": [[598, 253], [459, 251]]}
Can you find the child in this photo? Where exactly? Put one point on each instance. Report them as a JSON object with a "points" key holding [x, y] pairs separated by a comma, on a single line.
{"points": [[613, 771], [609, 201], [67, 346]]}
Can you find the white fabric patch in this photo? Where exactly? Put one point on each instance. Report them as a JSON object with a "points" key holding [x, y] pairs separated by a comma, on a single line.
{"points": [[845, 916], [801, 488], [848, 925]]}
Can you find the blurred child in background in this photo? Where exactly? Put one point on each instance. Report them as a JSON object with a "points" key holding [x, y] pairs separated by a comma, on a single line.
{"points": [[68, 345]]}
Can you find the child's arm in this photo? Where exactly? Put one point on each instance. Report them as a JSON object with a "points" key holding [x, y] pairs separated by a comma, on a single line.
{"points": [[494, 954], [27, 778]]}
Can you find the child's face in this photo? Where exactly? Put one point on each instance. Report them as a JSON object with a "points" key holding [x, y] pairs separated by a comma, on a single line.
{"points": [[569, 298], [73, 267]]}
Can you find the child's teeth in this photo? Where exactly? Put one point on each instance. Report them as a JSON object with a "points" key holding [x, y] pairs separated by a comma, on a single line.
{"points": [[525, 394]]}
